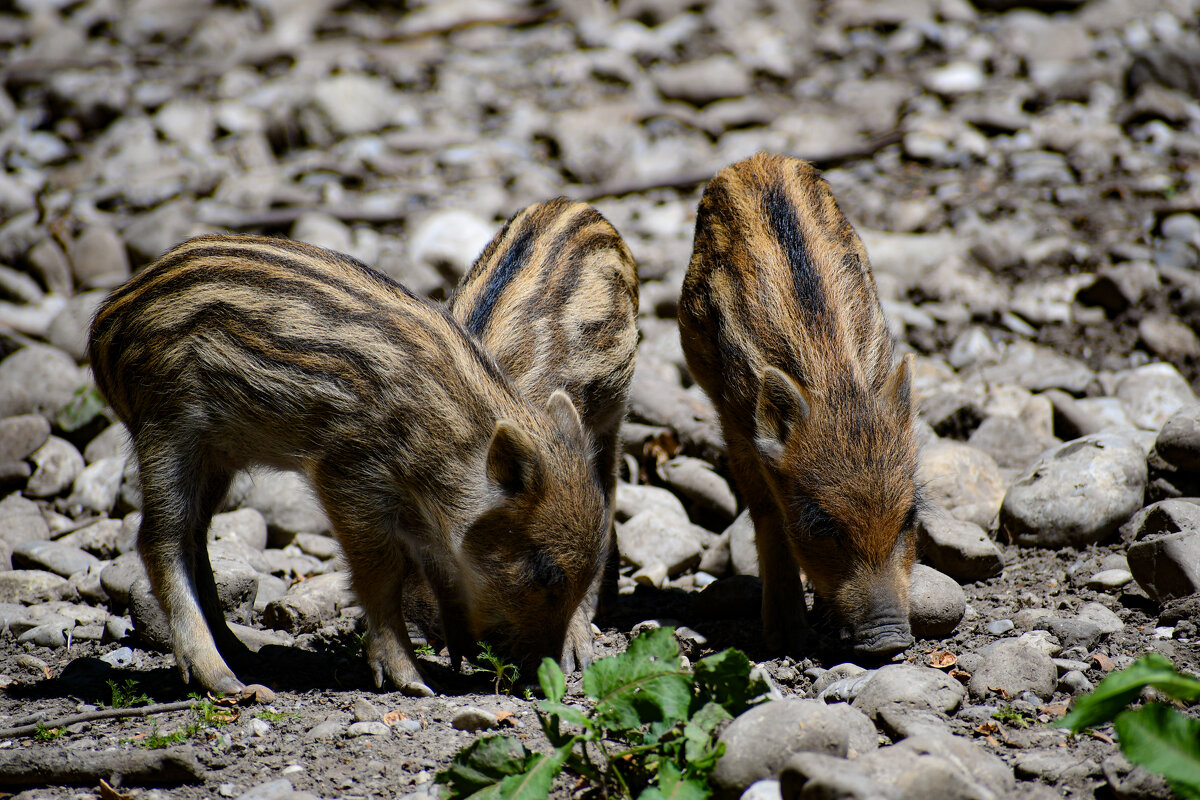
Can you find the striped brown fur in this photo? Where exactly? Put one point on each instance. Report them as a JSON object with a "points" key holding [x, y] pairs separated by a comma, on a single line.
{"points": [[233, 350], [782, 327], [554, 299]]}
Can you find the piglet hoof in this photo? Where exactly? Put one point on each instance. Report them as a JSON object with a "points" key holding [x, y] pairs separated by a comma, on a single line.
{"points": [[255, 693], [416, 689]]}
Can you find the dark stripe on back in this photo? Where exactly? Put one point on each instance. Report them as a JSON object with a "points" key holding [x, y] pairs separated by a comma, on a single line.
{"points": [[785, 225], [510, 264]]}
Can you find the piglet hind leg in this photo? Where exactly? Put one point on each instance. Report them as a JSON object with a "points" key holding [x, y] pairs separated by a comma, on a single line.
{"points": [[378, 569], [179, 498]]}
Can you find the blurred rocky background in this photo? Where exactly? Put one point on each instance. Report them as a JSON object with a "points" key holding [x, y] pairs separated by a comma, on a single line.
{"points": [[1026, 176]]}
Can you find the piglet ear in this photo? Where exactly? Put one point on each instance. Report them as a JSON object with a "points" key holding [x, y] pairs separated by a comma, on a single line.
{"points": [[897, 390], [565, 416], [781, 408], [513, 462]]}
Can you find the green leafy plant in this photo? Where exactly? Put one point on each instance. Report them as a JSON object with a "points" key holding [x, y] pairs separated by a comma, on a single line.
{"points": [[650, 734], [1012, 716], [156, 741], [126, 695], [210, 714], [276, 716], [424, 650], [1156, 736], [504, 674], [44, 734], [85, 405]]}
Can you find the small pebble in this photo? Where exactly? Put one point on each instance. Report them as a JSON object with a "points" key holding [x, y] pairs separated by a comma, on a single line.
{"points": [[999, 627], [470, 718]]}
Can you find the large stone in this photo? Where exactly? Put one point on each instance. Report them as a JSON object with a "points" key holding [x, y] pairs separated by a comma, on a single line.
{"points": [[21, 436], [57, 557], [1179, 440], [57, 464], [97, 486], [936, 603], [98, 258], [354, 103], [651, 538], [704, 81], [698, 481], [959, 548], [1039, 368], [1153, 393], [1167, 567], [38, 380], [760, 741], [287, 502], [910, 685], [246, 525], [631, 500], [962, 479], [1076, 494], [450, 241], [69, 329], [1165, 516], [1012, 666], [743, 551], [30, 586], [21, 520], [1009, 441]]}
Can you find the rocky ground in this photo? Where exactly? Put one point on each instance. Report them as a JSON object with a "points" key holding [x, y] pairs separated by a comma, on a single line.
{"points": [[1026, 176]]}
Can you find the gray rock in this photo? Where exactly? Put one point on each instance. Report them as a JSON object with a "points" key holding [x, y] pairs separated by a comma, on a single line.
{"points": [[49, 634], [86, 584], [328, 729], [322, 230], [1038, 369], [32, 586], [50, 263], [353, 103], [1152, 394], [1074, 683], [1167, 567], [101, 539], [1168, 338], [701, 82], [117, 629], [365, 711], [331, 590], [743, 552], [999, 627], [57, 557], [21, 521], [286, 502], [471, 718], [1103, 617], [296, 615], [57, 465], [317, 546], [1013, 666], [1076, 494], [1130, 782], [939, 764], [38, 380], [21, 436], [759, 742], [97, 486], [650, 538], [824, 777], [1009, 441], [762, 790], [1165, 516], [68, 330], [833, 675], [374, 728], [1108, 580], [117, 578], [908, 684], [120, 657], [962, 479], [1179, 440], [112, 441], [696, 480], [246, 525], [450, 241], [959, 548], [98, 258], [936, 603], [632, 500], [280, 789]]}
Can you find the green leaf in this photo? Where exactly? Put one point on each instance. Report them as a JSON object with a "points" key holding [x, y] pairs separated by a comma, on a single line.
{"points": [[643, 684], [84, 406], [483, 764], [673, 786], [554, 683], [1163, 741], [1121, 688], [724, 678], [533, 784], [565, 713]]}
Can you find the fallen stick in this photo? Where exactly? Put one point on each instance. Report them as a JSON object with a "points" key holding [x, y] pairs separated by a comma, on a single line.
{"points": [[49, 766], [100, 713]]}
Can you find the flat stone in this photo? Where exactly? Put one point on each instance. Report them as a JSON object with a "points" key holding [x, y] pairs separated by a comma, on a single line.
{"points": [[246, 525], [1009, 441], [287, 503], [97, 486], [1076, 494], [1109, 579], [57, 465], [760, 741], [743, 552], [819, 775], [450, 241], [101, 539], [374, 728], [57, 557], [959, 548], [98, 258], [38, 379], [1039, 368], [1013, 666], [908, 684], [317, 546], [327, 729], [649, 538], [632, 500], [701, 82], [31, 586]]}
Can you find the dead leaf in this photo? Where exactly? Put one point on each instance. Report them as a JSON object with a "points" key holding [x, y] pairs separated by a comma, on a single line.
{"points": [[252, 694], [1103, 662], [392, 717], [501, 716], [1054, 710], [1102, 737], [109, 793], [988, 727], [992, 741], [661, 448], [1000, 692], [942, 659], [960, 675]]}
